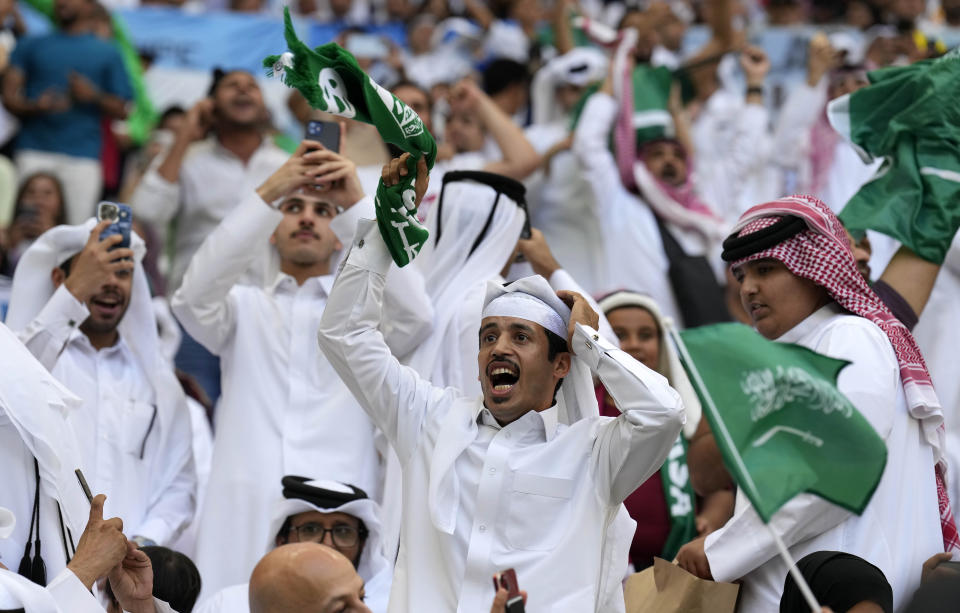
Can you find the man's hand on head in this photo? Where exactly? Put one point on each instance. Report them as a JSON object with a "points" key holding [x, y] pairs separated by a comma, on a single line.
{"points": [[197, 122], [101, 547], [580, 313], [132, 581], [396, 171], [95, 264]]}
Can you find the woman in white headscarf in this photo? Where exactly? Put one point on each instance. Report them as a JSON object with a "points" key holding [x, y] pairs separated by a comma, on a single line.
{"points": [[664, 507]]}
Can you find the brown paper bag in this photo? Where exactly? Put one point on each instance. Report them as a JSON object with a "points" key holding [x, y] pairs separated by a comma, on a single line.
{"points": [[667, 588]]}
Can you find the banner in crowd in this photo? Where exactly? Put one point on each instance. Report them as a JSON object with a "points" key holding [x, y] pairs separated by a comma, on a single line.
{"points": [[779, 420]]}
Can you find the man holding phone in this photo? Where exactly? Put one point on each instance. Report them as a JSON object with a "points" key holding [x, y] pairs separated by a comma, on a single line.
{"points": [[220, 153], [284, 410], [81, 305]]}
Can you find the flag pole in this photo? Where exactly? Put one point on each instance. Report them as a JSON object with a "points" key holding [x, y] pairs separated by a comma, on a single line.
{"points": [[794, 571], [697, 381]]}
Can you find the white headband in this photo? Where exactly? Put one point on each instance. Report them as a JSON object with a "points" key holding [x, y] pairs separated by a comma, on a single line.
{"points": [[525, 306]]}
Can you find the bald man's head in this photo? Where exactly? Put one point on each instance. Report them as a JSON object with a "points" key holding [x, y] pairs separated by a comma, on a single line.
{"points": [[305, 578]]}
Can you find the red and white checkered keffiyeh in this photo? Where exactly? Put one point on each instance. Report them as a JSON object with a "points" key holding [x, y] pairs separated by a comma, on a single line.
{"points": [[822, 254]]}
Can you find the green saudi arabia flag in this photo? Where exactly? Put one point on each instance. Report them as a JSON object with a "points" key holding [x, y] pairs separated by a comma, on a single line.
{"points": [[780, 422], [909, 116], [332, 81]]}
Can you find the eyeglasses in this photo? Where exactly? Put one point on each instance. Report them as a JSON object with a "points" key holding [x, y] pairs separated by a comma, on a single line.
{"points": [[343, 535]]}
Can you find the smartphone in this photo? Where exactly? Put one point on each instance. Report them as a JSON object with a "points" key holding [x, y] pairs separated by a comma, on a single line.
{"points": [[121, 221], [83, 485], [327, 133], [508, 580], [952, 565]]}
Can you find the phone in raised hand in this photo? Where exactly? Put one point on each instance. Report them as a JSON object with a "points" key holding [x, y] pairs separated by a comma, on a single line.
{"points": [[121, 222]]}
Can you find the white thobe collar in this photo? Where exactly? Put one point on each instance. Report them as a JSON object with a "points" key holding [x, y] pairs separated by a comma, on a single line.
{"points": [[218, 148], [78, 338], [286, 284], [808, 325], [542, 421]]}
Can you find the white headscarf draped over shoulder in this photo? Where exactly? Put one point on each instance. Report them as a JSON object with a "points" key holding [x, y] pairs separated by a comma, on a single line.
{"points": [[455, 277], [669, 361], [33, 287]]}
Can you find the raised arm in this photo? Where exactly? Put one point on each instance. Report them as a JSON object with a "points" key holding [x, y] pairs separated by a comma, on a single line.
{"points": [[590, 147], [157, 196], [394, 396], [633, 446], [203, 303], [47, 334], [520, 159]]}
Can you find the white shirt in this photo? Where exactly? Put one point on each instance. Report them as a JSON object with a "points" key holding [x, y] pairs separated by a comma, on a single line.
{"points": [[212, 181], [499, 484], [283, 410], [732, 147], [65, 593], [150, 487], [634, 256], [899, 529], [802, 109], [561, 206]]}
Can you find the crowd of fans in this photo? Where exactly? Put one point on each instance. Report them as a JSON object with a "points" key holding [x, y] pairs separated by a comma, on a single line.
{"points": [[182, 370]]}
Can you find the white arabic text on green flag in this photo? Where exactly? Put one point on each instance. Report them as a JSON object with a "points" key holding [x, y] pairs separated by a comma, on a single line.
{"points": [[331, 80], [779, 420]]}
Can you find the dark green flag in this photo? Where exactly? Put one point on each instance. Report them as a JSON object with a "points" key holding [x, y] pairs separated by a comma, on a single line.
{"points": [[909, 116], [332, 81], [780, 422]]}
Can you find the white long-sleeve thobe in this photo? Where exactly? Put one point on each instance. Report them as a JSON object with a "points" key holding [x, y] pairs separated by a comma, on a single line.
{"points": [[151, 487], [534, 495], [561, 206], [284, 410], [732, 146], [634, 255], [899, 529], [212, 180]]}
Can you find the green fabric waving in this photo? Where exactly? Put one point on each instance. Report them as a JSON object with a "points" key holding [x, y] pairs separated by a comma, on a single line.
{"points": [[678, 492], [909, 116], [332, 81]]}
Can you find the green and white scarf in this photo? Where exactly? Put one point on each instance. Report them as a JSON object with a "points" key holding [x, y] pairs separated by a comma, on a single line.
{"points": [[332, 81], [681, 504]]}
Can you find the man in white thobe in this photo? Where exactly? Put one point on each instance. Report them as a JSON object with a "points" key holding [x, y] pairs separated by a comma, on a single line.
{"points": [[331, 513], [83, 310], [561, 201], [284, 410], [33, 426], [526, 476]]}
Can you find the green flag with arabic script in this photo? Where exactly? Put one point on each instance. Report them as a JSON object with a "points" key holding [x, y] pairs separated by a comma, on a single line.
{"points": [[781, 424]]}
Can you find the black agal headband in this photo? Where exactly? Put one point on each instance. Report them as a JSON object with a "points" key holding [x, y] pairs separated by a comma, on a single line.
{"points": [[738, 247], [298, 488]]}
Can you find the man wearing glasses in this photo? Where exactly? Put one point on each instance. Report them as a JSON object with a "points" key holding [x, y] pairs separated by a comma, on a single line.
{"points": [[331, 513]]}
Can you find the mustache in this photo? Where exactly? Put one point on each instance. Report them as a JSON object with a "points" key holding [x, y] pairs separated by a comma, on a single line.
{"points": [[503, 360], [312, 233]]}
